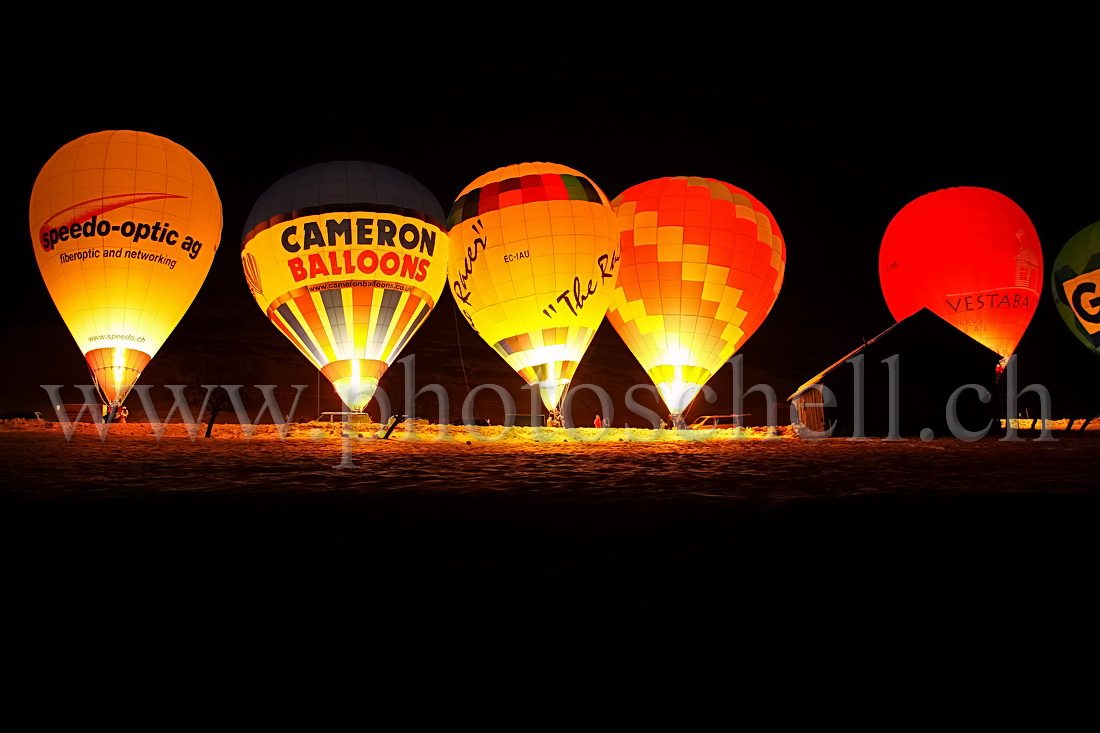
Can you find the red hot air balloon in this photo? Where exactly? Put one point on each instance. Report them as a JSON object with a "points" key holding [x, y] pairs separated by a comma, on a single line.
{"points": [[972, 257]]}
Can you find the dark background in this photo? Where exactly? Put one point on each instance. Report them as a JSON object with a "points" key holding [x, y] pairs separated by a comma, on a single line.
{"points": [[834, 127], [834, 138]]}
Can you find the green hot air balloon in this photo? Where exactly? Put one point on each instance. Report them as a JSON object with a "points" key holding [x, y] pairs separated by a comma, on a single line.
{"points": [[1075, 283]]}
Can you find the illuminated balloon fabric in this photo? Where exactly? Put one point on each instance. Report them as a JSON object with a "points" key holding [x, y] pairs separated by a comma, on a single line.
{"points": [[972, 257], [1075, 284], [702, 265], [347, 259], [534, 251], [125, 226]]}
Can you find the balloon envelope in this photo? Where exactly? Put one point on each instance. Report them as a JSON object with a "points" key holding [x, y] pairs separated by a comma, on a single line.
{"points": [[534, 254], [702, 265], [972, 257], [347, 259], [1075, 284], [125, 226]]}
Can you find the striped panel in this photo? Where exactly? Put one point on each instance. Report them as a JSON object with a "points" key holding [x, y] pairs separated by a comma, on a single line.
{"points": [[339, 327], [412, 314], [368, 369], [116, 369], [335, 324], [291, 325], [555, 371], [577, 336], [688, 374]]}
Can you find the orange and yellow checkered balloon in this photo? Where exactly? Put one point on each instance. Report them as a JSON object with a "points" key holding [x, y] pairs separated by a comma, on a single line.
{"points": [[702, 264]]}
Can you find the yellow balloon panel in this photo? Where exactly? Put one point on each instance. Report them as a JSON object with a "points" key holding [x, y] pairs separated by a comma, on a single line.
{"points": [[349, 309], [125, 226], [702, 265], [534, 257]]}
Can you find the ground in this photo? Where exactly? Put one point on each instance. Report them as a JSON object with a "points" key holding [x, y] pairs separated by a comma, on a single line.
{"points": [[861, 538]]}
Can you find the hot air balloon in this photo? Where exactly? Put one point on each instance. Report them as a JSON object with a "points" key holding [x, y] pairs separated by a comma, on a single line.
{"points": [[347, 259], [534, 255], [125, 226], [972, 257], [1075, 284], [702, 265]]}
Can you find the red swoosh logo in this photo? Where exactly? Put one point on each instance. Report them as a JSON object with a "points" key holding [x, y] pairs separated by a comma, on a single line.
{"points": [[85, 210]]}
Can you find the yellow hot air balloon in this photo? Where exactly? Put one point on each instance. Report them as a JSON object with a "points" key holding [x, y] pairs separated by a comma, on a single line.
{"points": [[534, 256], [702, 265], [125, 226], [347, 259]]}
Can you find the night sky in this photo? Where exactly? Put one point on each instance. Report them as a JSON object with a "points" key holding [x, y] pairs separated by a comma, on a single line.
{"points": [[833, 146]]}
